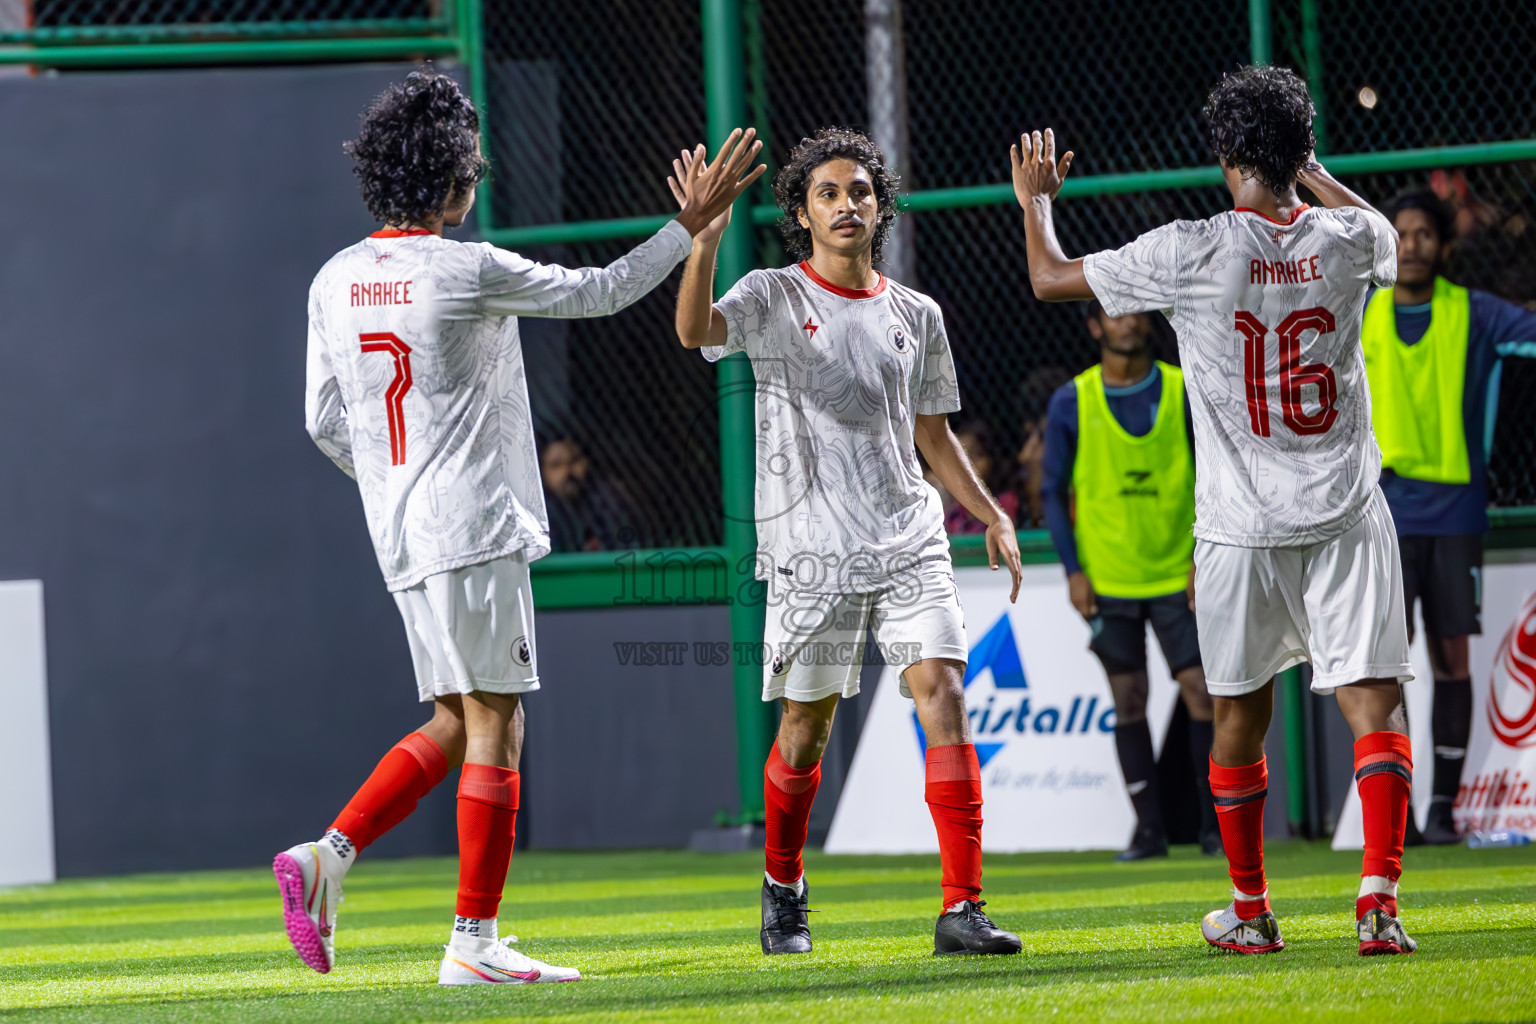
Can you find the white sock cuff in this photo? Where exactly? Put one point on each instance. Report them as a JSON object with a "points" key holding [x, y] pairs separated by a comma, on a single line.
{"points": [[1238, 896], [798, 884], [1378, 885]]}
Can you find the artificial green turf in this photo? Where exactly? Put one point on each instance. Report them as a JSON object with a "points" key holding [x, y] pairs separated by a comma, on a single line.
{"points": [[673, 936]]}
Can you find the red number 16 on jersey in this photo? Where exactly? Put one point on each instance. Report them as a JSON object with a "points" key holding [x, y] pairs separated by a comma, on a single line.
{"points": [[394, 398], [1293, 377]]}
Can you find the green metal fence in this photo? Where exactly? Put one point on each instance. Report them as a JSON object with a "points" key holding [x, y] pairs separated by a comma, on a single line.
{"points": [[588, 100]]}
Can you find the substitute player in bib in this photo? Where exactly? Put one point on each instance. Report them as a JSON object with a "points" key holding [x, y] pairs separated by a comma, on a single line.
{"points": [[416, 388], [854, 378], [1295, 555], [1119, 494]]}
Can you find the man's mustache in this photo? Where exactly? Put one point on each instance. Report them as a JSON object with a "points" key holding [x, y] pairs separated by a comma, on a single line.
{"points": [[852, 218]]}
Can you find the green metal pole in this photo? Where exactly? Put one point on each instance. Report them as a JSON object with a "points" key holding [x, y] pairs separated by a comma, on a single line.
{"points": [[1312, 51], [1260, 48], [725, 100], [1293, 718], [469, 27], [263, 51]]}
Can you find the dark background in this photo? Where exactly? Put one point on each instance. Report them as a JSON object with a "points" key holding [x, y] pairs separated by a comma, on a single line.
{"points": [[224, 662]]}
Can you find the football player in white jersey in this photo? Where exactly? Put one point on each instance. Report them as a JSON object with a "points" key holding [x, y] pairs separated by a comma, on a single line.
{"points": [[416, 388], [1296, 557], [854, 378]]}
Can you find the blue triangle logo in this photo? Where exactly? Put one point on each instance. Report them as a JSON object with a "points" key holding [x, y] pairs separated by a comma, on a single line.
{"points": [[998, 651]]}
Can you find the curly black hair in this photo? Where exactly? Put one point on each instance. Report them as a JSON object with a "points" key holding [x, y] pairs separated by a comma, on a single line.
{"points": [[1432, 206], [793, 181], [1260, 120], [416, 149]]}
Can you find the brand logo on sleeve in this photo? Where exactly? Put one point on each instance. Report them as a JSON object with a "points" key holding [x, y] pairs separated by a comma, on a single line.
{"points": [[520, 652], [810, 328]]}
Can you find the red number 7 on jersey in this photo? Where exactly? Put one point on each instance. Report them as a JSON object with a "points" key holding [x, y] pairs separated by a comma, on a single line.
{"points": [[394, 398], [1292, 376]]}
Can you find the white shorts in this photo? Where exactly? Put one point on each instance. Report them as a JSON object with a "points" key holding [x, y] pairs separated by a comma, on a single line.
{"points": [[814, 643], [1337, 604], [472, 629]]}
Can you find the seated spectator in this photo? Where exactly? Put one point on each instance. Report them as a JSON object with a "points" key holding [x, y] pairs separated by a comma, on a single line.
{"points": [[977, 442], [586, 512]]}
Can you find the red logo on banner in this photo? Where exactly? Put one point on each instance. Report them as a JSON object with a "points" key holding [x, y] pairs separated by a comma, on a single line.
{"points": [[1516, 662]]}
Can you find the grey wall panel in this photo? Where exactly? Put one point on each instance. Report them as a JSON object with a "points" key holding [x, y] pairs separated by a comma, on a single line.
{"points": [[627, 755], [225, 665]]}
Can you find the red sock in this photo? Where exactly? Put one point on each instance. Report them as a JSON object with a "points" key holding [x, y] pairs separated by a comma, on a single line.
{"points": [[1384, 776], [405, 775], [787, 797], [953, 792], [1239, 796], [487, 816]]}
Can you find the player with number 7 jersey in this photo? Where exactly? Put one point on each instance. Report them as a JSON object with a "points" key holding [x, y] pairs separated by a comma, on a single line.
{"points": [[416, 388], [1296, 556]]}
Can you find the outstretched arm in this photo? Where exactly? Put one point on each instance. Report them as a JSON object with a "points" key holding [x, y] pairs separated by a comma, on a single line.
{"points": [[1037, 177], [698, 323], [516, 286], [949, 463]]}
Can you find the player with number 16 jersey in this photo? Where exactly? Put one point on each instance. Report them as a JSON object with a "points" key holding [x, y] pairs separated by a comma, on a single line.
{"points": [[1296, 555]]}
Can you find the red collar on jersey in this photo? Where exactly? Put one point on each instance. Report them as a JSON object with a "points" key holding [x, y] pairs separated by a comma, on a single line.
{"points": [[1303, 208], [847, 293], [396, 233]]}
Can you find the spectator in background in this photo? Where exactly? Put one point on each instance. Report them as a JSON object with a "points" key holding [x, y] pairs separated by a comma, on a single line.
{"points": [[976, 439], [1433, 352], [1118, 445], [586, 512], [1029, 477]]}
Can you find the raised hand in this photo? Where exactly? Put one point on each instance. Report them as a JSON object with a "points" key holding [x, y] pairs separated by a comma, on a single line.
{"points": [[706, 190], [1036, 171]]}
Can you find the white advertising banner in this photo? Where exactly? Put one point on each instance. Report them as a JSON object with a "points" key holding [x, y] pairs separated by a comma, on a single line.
{"points": [[1042, 722], [26, 798], [1498, 781]]}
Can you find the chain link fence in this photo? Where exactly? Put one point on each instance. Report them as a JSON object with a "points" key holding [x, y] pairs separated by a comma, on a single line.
{"points": [[81, 21], [587, 102]]}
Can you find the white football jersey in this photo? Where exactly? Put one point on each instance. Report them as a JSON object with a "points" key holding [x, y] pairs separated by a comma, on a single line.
{"points": [[1268, 320], [841, 504], [415, 386]]}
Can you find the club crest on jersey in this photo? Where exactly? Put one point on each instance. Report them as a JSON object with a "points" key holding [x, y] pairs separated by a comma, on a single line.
{"points": [[520, 652], [810, 328], [897, 337]]}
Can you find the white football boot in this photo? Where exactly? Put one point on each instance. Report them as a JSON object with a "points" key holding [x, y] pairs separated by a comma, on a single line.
{"points": [[1379, 929], [1225, 930], [497, 963], [309, 877]]}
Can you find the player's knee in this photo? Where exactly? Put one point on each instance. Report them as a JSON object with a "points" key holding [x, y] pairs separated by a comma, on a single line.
{"points": [[1129, 692]]}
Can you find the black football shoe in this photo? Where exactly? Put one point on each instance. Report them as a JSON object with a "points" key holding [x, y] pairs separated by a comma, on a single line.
{"points": [[965, 930], [784, 918], [1145, 844], [1439, 828]]}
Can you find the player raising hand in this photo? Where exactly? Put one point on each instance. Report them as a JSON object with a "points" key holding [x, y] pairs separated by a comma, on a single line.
{"points": [[854, 378], [416, 388], [1296, 554]]}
